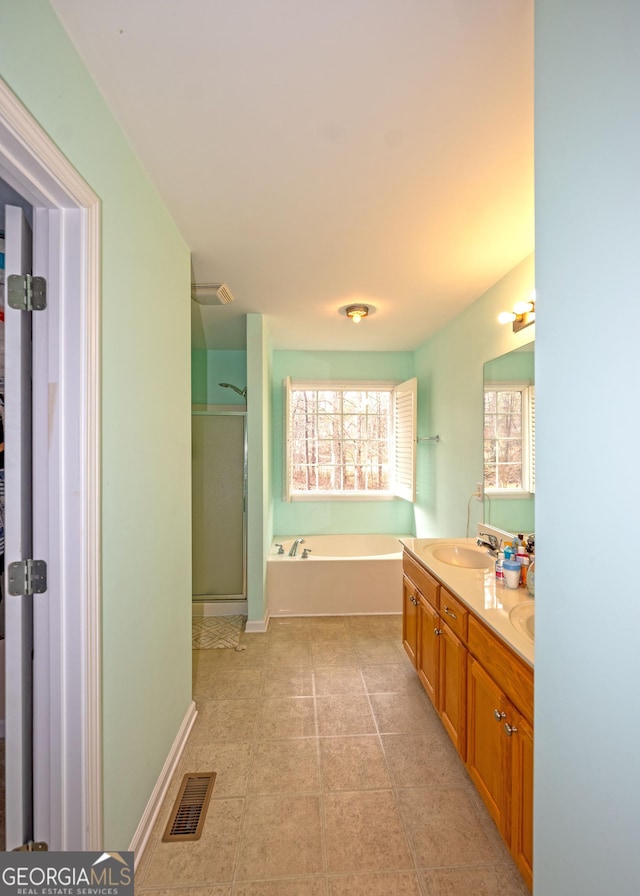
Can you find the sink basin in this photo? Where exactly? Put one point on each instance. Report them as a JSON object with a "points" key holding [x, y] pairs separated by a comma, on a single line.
{"points": [[523, 618], [459, 555]]}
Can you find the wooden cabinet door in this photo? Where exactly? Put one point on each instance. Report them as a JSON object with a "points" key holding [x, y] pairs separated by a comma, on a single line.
{"points": [[452, 690], [410, 618], [487, 744], [428, 650], [522, 797]]}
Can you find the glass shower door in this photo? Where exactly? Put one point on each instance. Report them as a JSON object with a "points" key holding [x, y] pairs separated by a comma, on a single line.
{"points": [[218, 488]]}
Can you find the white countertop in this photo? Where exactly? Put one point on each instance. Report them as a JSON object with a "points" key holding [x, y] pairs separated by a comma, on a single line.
{"points": [[487, 597]]}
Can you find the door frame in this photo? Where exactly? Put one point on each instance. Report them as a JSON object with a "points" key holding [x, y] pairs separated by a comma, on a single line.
{"points": [[67, 668]]}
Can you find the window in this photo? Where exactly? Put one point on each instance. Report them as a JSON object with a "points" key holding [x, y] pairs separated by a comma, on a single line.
{"points": [[509, 438], [350, 440]]}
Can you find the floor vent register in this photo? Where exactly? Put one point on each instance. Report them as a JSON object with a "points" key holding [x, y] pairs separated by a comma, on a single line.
{"points": [[190, 808]]}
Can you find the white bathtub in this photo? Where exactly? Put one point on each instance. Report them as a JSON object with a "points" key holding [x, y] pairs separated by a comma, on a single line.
{"points": [[343, 575]]}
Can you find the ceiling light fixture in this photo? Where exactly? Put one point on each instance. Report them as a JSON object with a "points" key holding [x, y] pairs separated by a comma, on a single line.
{"points": [[523, 314], [357, 312]]}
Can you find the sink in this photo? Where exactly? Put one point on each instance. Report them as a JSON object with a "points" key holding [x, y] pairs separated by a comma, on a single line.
{"points": [[461, 556], [523, 618]]}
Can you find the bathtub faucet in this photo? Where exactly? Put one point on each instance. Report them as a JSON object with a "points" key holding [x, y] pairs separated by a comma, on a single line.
{"points": [[293, 550]]}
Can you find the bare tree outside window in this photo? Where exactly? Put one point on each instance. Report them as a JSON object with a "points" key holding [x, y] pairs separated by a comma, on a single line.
{"points": [[508, 437], [340, 440]]}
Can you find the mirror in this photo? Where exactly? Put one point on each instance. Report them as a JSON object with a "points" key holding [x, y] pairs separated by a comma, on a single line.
{"points": [[509, 470]]}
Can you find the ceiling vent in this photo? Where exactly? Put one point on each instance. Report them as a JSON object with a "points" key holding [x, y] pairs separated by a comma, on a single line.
{"points": [[211, 293]]}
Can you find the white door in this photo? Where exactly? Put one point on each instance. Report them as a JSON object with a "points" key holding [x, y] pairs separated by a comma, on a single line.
{"points": [[69, 647], [18, 541]]}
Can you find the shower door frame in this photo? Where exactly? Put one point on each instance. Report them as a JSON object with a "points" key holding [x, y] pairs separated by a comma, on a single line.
{"points": [[210, 605]]}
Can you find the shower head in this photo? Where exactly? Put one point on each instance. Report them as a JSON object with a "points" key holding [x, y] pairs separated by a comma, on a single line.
{"points": [[242, 392]]}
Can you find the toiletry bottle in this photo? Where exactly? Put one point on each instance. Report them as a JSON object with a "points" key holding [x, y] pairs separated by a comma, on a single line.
{"points": [[499, 568], [524, 569]]}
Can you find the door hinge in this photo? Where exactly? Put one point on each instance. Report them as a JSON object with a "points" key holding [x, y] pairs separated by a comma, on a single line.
{"points": [[27, 577], [27, 293], [33, 847]]}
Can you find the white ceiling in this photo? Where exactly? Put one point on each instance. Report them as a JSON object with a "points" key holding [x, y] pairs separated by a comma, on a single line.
{"points": [[316, 153]]}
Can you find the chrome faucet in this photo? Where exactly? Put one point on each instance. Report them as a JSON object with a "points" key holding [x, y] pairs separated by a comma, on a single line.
{"points": [[293, 550], [487, 540]]}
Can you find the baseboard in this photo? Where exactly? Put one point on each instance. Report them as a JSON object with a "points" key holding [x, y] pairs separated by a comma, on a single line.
{"points": [[219, 608], [143, 831], [259, 625]]}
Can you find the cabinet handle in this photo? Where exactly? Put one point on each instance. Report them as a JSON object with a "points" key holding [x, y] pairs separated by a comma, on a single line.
{"points": [[437, 631], [450, 613], [510, 729], [499, 715], [414, 601]]}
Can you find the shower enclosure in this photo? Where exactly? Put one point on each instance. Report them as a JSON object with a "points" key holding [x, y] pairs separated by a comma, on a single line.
{"points": [[219, 480]]}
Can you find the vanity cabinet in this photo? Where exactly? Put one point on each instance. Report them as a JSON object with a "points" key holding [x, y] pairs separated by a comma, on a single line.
{"points": [[500, 739], [417, 587], [438, 652], [410, 603], [483, 692], [452, 684], [427, 660]]}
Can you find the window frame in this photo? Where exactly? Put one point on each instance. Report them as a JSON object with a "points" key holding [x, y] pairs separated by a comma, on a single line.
{"points": [[402, 424], [527, 390]]}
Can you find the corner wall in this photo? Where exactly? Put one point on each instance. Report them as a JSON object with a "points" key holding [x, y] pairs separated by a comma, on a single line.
{"points": [[145, 417], [449, 368], [210, 368], [587, 775], [259, 492]]}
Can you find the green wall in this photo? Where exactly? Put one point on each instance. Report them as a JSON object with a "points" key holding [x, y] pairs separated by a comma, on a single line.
{"points": [[145, 417], [314, 517], [449, 367], [209, 368], [518, 366]]}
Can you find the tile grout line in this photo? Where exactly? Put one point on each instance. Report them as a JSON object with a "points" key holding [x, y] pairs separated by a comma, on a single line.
{"points": [[395, 795], [324, 847], [377, 675], [245, 798]]}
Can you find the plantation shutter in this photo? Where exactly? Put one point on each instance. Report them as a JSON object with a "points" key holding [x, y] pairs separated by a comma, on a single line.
{"points": [[286, 473], [406, 400]]}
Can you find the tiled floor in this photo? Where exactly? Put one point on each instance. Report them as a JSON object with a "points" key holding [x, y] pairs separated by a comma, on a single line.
{"points": [[334, 776]]}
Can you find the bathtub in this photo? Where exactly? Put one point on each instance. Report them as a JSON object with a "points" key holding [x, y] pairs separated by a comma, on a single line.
{"points": [[343, 575]]}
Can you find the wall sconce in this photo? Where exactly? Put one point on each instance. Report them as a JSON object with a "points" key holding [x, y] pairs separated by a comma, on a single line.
{"points": [[357, 312], [523, 314]]}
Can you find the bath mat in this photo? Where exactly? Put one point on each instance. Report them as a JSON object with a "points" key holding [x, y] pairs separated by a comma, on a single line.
{"points": [[209, 632]]}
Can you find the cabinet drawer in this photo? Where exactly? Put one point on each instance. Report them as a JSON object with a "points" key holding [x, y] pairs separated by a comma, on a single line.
{"points": [[426, 584], [453, 613], [508, 671]]}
